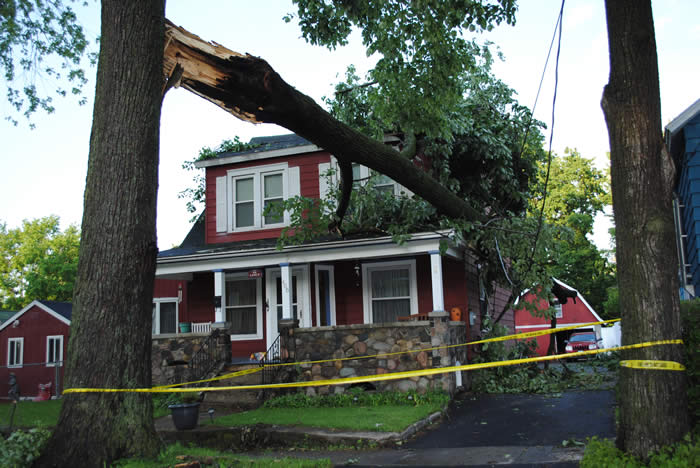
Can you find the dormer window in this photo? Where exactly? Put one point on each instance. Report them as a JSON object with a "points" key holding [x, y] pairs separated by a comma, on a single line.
{"points": [[243, 194]]}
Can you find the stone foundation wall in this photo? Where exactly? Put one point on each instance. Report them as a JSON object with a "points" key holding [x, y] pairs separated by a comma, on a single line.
{"points": [[170, 355], [381, 341]]}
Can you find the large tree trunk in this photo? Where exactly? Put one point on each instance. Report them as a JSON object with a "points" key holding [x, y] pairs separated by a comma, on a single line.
{"points": [[110, 341], [653, 403]]}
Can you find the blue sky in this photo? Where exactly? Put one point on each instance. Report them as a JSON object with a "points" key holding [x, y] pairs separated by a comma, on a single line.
{"points": [[43, 170]]}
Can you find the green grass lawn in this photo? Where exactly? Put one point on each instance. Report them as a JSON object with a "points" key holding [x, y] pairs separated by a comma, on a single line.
{"points": [[31, 413], [387, 418], [176, 454]]}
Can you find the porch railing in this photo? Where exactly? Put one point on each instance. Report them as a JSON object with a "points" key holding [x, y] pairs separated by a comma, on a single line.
{"points": [[209, 356], [204, 327], [273, 356]]}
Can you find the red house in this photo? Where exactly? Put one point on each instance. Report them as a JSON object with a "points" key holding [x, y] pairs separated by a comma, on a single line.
{"points": [[575, 311], [33, 343], [228, 271]]}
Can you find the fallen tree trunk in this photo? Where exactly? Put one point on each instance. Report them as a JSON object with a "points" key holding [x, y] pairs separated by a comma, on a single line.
{"points": [[249, 88]]}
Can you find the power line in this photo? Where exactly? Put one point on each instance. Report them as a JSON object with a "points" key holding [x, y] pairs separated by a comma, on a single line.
{"points": [[551, 133]]}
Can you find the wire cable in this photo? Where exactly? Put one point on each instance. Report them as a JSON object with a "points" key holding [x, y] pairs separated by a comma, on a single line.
{"points": [[551, 138]]}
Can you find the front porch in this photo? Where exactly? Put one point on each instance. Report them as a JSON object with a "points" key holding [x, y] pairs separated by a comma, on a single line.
{"points": [[366, 281]]}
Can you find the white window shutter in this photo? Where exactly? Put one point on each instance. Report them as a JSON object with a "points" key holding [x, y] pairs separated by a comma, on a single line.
{"points": [[323, 180], [294, 184], [221, 221]]}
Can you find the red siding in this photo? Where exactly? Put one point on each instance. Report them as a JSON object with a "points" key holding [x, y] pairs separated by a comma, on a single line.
{"points": [[571, 313], [201, 298], [309, 187], [455, 284], [35, 325], [348, 294], [171, 288]]}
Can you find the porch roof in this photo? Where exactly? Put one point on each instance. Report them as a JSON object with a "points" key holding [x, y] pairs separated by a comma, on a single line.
{"points": [[190, 258]]}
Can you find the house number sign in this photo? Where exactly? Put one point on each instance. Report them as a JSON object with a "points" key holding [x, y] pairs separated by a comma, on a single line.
{"points": [[255, 273]]}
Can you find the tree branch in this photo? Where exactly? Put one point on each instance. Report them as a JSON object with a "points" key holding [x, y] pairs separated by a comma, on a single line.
{"points": [[345, 192], [250, 89]]}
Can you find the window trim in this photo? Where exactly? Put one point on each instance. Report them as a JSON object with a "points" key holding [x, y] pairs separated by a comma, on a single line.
{"points": [[18, 362], [258, 335], [331, 279], [368, 268], [257, 173], [57, 362], [156, 318]]}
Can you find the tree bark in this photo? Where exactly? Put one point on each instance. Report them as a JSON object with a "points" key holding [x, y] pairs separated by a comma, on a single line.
{"points": [[653, 404], [110, 341], [250, 89]]}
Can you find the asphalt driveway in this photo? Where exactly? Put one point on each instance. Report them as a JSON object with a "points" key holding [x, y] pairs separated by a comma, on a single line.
{"points": [[517, 420]]}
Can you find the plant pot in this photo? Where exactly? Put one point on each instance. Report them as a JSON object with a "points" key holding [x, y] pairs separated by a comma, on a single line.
{"points": [[185, 327], [185, 415]]}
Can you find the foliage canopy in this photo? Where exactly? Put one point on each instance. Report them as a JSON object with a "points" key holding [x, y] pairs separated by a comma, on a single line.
{"points": [[37, 261], [40, 38]]}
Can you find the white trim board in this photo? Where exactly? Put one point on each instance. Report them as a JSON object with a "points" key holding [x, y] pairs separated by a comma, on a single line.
{"points": [[683, 118], [315, 253], [239, 158]]}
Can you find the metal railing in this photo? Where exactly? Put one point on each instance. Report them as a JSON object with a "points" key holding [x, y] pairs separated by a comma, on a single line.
{"points": [[272, 356], [209, 356]]}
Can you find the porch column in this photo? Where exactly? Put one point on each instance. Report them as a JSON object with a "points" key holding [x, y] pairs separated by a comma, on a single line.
{"points": [[286, 277], [219, 305], [436, 280]]}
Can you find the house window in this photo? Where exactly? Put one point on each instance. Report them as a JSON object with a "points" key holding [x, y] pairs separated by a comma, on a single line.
{"points": [[15, 350], [54, 350], [389, 291], [164, 316], [382, 183], [558, 311], [244, 202], [243, 306], [251, 190], [273, 194]]}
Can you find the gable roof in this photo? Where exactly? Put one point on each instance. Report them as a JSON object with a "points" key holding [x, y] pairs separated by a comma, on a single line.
{"points": [[673, 133], [59, 310], [267, 147], [578, 296]]}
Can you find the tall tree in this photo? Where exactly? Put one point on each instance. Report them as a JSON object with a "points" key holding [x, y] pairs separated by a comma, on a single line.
{"points": [[653, 406], [576, 192], [111, 329], [37, 261], [40, 38]]}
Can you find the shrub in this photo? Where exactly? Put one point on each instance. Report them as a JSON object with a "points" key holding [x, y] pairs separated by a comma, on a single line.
{"points": [[22, 447], [690, 322], [604, 454], [358, 397]]}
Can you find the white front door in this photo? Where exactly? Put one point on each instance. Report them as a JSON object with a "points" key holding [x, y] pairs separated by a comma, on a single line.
{"points": [[301, 299]]}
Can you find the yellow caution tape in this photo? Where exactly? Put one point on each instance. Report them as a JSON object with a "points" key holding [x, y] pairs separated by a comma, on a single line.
{"points": [[213, 379], [517, 336], [378, 377], [658, 365], [520, 336]]}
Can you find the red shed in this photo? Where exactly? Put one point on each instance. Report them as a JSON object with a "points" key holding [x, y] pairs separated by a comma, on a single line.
{"points": [[575, 311], [33, 343]]}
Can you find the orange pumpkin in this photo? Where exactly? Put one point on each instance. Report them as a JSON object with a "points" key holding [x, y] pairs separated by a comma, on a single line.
{"points": [[456, 314]]}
